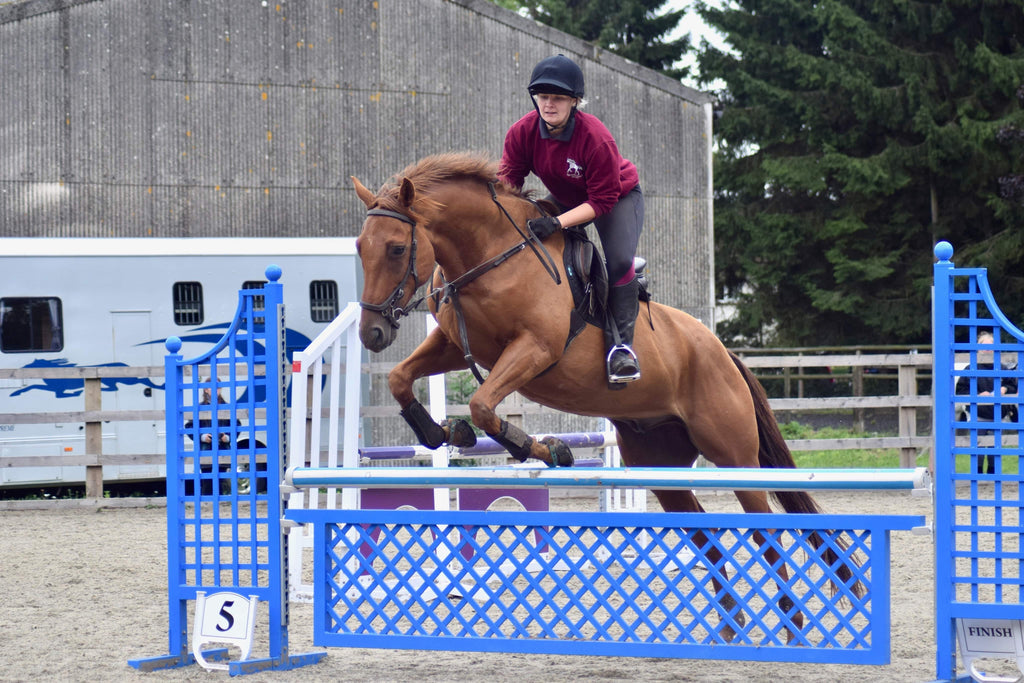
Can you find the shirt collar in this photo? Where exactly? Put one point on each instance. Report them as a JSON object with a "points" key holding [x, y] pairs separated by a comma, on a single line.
{"points": [[566, 133]]}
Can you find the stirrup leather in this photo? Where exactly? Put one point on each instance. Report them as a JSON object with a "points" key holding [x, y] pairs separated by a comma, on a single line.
{"points": [[615, 378]]}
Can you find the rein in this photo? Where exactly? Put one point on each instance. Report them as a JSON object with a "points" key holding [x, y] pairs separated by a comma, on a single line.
{"points": [[549, 263], [391, 312]]}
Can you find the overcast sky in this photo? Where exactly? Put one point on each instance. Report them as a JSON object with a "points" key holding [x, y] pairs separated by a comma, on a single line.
{"points": [[695, 26]]}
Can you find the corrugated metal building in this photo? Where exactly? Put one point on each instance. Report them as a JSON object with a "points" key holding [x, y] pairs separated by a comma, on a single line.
{"points": [[211, 118], [179, 118]]}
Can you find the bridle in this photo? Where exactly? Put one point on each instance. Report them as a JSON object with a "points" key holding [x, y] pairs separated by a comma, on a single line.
{"points": [[388, 309], [391, 312]]}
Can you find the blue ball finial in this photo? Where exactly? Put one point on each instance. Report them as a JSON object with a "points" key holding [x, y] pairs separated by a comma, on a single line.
{"points": [[273, 272], [943, 251], [173, 344]]}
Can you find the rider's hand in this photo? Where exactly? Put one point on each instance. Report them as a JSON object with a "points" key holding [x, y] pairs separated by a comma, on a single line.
{"points": [[544, 226]]}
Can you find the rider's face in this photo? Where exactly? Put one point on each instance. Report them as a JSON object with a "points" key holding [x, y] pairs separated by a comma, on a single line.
{"points": [[555, 109]]}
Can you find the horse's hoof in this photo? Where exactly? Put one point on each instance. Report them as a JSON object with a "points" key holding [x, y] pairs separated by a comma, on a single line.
{"points": [[561, 454], [460, 434], [728, 605]]}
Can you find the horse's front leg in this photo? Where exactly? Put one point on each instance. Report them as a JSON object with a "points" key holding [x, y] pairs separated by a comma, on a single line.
{"points": [[520, 362], [435, 355]]}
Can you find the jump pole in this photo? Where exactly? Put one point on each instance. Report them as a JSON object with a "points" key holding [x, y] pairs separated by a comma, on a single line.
{"points": [[732, 479]]}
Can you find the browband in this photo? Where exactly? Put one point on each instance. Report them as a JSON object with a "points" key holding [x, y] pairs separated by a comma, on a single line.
{"points": [[391, 214]]}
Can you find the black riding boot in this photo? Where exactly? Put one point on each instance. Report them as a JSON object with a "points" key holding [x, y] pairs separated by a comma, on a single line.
{"points": [[623, 305]]}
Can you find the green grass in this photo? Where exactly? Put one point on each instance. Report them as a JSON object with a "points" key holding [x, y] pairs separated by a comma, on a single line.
{"points": [[874, 458], [1010, 465]]}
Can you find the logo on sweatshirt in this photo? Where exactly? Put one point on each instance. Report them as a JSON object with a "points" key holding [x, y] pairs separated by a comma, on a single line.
{"points": [[573, 169]]}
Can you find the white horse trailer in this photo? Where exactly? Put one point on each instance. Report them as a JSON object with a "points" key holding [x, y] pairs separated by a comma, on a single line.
{"points": [[67, 302]]}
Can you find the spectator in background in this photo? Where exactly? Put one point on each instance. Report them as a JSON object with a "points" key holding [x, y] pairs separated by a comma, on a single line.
{"points": [[207, 437], [985, 386]]}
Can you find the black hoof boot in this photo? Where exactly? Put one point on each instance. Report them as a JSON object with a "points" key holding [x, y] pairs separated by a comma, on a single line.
{"points": [[427, 431], [460, 434], [561, 454]]}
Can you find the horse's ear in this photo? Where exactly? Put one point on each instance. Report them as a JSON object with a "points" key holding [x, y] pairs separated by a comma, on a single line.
{"points": [[407, 192], [364, 194]]}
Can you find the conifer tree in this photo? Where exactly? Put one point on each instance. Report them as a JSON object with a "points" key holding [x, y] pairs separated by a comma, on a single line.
{"points": [[633, 29], [853, 135]]}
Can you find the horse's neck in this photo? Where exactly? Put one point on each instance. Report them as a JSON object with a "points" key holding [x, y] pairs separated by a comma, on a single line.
{"points": [[469, 231]]}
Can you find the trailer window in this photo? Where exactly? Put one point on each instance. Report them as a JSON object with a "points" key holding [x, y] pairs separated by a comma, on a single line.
{"points": [[258, 302], [323, 300], [188, 303], [31, 324]]}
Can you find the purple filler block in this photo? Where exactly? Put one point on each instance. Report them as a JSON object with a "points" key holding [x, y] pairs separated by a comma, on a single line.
{"points": [[393, 499], [534, 500]]}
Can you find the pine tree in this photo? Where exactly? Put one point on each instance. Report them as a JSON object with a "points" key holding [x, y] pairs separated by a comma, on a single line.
{"points": [[1011, 187], [631, 28], [853, 135]]}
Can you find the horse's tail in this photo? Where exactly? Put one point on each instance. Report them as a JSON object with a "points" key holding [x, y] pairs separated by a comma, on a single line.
{"points": [[772, 449], [773, 452]]}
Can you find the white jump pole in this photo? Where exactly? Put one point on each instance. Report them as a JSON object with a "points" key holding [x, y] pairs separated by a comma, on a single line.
{"points": [[728, 479]]}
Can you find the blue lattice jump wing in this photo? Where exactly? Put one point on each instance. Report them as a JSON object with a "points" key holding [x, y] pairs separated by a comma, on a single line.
{"points": [[600, 584], [979, 496], [224, 467]]}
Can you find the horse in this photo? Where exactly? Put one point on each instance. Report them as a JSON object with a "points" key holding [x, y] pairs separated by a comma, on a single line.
{"points": [[502, 301]]}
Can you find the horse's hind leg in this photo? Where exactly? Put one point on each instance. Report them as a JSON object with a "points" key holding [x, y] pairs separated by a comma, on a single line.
{"points": [[757, 502], [730, 615], [729, 452], [669, 445]]}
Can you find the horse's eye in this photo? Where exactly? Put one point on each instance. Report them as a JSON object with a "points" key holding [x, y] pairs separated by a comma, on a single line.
{"points": [[397, 251]]}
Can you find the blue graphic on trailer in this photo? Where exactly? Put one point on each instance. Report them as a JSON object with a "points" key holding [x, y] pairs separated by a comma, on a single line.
{"points": [[211, 334], [70, 388]]}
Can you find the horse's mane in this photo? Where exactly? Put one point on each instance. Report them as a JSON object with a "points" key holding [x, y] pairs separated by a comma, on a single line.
{"points": [[437, 169]]}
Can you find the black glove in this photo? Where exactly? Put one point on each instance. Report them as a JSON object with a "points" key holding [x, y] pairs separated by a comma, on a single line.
{"points": [[544, 226]]}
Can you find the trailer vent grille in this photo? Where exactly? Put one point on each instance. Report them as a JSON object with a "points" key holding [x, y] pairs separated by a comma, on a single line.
{"points": [[188, 303], [323, 300]]}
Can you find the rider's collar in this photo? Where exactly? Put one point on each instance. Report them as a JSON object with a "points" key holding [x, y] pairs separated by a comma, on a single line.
{"points": [[566, 133]]}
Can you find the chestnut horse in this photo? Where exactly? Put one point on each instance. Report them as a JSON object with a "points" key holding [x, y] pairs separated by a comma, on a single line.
{"points": [[502, 302]]}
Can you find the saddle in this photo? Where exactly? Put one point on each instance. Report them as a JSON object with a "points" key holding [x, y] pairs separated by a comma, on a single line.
{"points": [[588, 281]]}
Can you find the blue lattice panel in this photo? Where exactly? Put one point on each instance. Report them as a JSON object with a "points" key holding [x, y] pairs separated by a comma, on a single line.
{"points": [[605, 583], [225, 412], [987, 500], [979, 457]]}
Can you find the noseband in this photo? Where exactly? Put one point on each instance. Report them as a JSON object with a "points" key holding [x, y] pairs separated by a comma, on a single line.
{"points": [[389, 310]]}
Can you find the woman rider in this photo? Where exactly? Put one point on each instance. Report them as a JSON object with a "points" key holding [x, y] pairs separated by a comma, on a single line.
{"points": [[579, 163]]}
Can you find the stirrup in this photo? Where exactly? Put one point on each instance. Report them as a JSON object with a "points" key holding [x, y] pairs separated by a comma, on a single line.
{"points": [[615, 378]]}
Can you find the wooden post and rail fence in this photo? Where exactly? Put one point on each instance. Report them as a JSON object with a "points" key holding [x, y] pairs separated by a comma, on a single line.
{"points": [[797, 369]]}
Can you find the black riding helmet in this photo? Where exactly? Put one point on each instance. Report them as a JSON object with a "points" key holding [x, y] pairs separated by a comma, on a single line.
{"points": [[557, 75]]}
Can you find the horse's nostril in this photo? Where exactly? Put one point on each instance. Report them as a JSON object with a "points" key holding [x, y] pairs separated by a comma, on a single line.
{"points": [[374, 337]]}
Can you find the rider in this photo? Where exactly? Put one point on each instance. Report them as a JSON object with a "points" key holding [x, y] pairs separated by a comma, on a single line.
{"points": [[579, 163]]}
